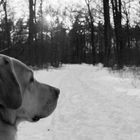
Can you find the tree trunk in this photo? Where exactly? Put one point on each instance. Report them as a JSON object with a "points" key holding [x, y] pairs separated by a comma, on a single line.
{"points": [[7, 26], [31, 22], [117, 16], [91, 24], [107, 34]]}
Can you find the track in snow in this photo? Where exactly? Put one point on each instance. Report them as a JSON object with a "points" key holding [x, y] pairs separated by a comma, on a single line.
{"points": [[93, 105]]}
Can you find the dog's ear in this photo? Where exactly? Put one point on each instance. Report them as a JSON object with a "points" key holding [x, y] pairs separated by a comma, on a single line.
{"points": [[10, 94]]}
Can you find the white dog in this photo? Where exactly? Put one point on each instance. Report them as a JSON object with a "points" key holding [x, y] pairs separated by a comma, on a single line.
{"points": [[22, 97]]}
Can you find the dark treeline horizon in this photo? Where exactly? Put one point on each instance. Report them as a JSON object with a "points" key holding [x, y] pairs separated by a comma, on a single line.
{"points": [[87, 41]]}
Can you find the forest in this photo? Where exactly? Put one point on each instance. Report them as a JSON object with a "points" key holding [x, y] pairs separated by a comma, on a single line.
{"points": [[90, 31]]}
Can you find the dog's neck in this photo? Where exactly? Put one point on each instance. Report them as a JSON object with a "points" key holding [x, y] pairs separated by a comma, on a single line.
{"points": [[5, 116], [7, 132], [7, 127]]}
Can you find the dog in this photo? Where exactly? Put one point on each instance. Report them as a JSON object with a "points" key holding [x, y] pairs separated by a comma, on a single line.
{"points": [[22, 97]]}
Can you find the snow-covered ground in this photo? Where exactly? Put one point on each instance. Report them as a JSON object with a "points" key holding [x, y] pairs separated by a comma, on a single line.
{"points": [[94, 104]]}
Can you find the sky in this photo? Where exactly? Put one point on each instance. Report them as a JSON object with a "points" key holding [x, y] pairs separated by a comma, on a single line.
{"points": [[20, 7]]}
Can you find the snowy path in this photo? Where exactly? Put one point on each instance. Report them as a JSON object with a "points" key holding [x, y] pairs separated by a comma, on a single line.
{"points": [[93, 105]]}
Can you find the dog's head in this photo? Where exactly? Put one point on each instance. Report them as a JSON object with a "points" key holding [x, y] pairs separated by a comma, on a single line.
{"points": [[21, 96]]}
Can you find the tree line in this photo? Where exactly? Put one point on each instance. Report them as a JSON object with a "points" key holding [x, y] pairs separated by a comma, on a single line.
{"points": [[99, 32]]}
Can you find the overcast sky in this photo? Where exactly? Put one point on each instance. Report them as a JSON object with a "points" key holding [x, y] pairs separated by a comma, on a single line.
{"points": [[20, 7]]}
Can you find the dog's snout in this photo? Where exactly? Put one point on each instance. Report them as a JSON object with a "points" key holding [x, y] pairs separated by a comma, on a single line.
{"points": [[57, 92]]}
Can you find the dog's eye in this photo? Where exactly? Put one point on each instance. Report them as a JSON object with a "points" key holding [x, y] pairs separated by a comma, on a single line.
{"points": [[31, 80]]}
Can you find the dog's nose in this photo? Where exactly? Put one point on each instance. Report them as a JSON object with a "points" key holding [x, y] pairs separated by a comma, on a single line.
{"points": [[57, 92]]}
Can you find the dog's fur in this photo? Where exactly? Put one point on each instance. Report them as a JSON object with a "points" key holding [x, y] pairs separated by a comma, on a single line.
{"points": [[22, 97]]}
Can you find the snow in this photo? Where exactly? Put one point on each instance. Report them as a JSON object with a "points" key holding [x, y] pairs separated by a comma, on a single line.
{"points": [[94, 104]]}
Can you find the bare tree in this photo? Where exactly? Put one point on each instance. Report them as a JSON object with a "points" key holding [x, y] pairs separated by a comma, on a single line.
{"points": [[117, 16], [107, 34], [7, 35], [126, 12], [32, 20], [41, 19], [91, 25]]}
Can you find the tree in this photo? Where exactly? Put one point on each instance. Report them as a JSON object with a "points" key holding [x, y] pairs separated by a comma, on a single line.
{"points": [[32, 20], [117, 16], [126, 12], [7, 36], [77, 38], [91, 25], [107, 34], [41, 20]]}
